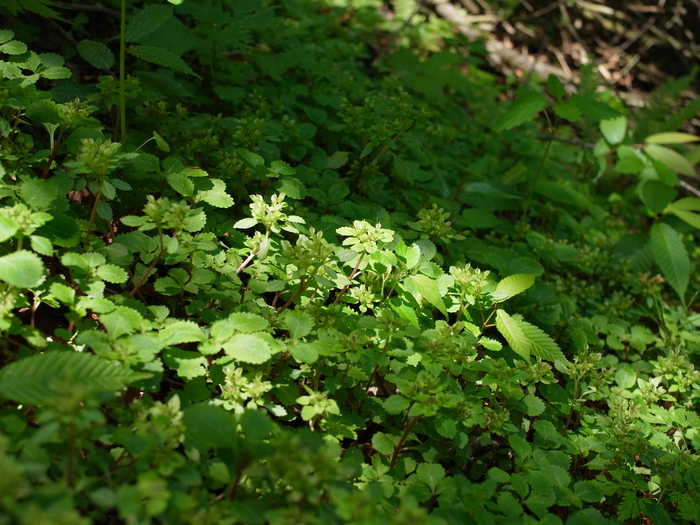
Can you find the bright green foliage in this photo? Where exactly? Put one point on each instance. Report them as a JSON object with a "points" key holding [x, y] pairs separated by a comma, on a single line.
{"points": [[302, 265]]}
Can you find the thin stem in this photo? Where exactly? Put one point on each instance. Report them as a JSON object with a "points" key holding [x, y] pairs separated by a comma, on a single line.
{"points": [[122, 74], [147, 272], [98, 198], [352, 276], [402, 440]]}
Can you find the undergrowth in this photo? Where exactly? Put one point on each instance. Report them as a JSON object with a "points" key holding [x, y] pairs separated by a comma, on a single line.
{"points": [[304, 262]]}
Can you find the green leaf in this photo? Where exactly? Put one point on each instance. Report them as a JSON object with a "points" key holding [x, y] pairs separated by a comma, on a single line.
{"points": [[685, 209], [37, 193], [47, 377], [589, 491], [671, 137], [181, 332], [567, 110], [512, 285], [215, 196], [428, 290], [594, 109], [250, 159], [160, 142], [513, 333], [8, 228], [210, 427], [13, 47], [430, 474], [146, 20], [541, 345], [161, 57], [22, 269], [122, 320], [614, 129], [299, 324], [112, 273], [383, 444], [671, 158], [655, 194], [527, 104], [534, 406], [247, 322], [303, 352], [248, 348], [188, 365], [671, 256], [555, 86], [396, 404], [337, 160], [96, 54], [244, 224]]}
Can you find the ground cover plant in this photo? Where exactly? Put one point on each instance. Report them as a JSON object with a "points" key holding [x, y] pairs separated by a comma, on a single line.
{"points": [[315, 262]]}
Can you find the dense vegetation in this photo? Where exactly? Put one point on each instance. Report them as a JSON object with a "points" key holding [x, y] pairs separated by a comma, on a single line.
{"points": [[316, 262]]}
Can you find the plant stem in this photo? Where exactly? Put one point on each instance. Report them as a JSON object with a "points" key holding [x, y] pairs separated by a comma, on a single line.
{"points": [[147, 272], [98, 198], [122, 74], [352, 276], [411, 423]]}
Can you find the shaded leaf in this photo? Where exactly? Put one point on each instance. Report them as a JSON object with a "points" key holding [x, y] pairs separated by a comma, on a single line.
{"points": [[671, 256], [96, 54]]}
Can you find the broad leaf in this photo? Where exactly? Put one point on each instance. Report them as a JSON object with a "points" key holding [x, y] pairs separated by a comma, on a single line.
{"points": [[428, 290], [248, 348], [671, 159], [513, 333], [614, 129], [527, 104], [671, 137], [430, 474], [22, 269], [671, 256], [96, 54], [512, 285]]}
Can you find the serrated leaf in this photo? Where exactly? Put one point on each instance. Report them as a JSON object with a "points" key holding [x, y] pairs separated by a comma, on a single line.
{"points": [[541, 345], [534, 406], [671, 137], [671, 158], [40, 379], [430, 474], [513, 333], [303, 352], [13, 47], [248, 348], [555, 86], [215, 196], [655, 194], [250, 159], [112, 273], [247, 322], [41, 245], [512, 285], [22, 269], [614, 130], [685, 209], [122, 320], [383, 443], [8, 227], [337, 160], [671, 256], [161, 57], [589, 491], [567, 110], [428, 290], [527, 104], [181, 183], [146, 20], [594, 109], [210, 427], [188, 365], [96, 54], [396, 404], [181, 332], [299, 324]]}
